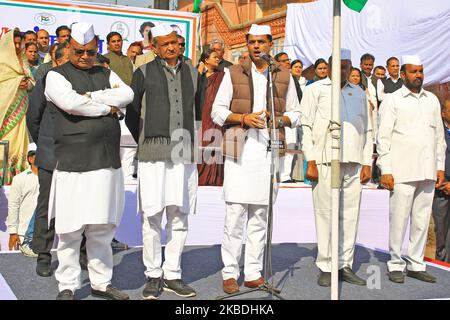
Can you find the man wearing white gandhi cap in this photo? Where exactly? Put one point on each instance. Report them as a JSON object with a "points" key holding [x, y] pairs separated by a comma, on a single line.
{"points": [[87, 192], [241, 105], [355, 166], [161, 120], [411, 155]]}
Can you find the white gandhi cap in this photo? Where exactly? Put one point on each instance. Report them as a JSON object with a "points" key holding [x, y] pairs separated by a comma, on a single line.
{"points": [[346, 54], [161, 30], [257, 30], [411, 59], [32, 147], [83, 32]]}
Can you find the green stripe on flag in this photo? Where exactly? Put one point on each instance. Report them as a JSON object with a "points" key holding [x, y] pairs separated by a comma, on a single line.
{"points": [[356, 5], [197, 6]]}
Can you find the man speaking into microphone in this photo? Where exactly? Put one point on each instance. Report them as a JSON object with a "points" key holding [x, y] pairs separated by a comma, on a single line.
{"points": [[241, 106]]}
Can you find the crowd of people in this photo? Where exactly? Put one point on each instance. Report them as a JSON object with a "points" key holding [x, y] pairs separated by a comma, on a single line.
{"points": [[84, 112]]}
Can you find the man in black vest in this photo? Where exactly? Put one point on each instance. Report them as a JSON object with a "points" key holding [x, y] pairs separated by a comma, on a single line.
{"points": [[161, 120], [393, 83], [40, 126], [441, 202], [87, 193]]}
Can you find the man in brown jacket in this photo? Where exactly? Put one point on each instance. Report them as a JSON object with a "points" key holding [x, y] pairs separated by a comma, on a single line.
{"points": [[241, 105]]}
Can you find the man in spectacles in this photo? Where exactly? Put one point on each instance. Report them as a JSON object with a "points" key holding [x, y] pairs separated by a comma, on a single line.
{"points": [[87, 190], [218, 46], [283, 59], [182, 45]]}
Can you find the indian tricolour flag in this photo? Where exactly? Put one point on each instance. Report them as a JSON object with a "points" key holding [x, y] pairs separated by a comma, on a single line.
{"points": [[356, 5]]}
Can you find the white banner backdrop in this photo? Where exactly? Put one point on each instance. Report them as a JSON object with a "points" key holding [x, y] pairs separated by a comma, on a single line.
{"points": [[384, 28], [128, 21]]}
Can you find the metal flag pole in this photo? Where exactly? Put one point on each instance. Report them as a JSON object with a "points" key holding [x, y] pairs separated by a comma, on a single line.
{"points": [[335, 147]]}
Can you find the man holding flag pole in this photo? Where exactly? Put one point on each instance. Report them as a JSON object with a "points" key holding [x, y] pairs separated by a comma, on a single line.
{"points": [[331, 278]]}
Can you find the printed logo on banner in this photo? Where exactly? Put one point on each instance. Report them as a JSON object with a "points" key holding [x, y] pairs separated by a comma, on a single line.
{"points": [[73, 15], [45, 19], [122, 28]]}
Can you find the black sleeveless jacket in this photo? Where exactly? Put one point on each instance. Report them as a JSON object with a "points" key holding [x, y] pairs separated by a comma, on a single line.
{"points": [[85, 143]]}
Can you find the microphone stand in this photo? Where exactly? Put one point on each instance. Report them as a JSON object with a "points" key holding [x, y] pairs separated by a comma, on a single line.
{"points": [[274, 145]]}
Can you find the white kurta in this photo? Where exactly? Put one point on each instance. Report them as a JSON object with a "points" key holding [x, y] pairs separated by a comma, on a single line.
{"points": [[356, 134], [22, 202], [411, 147], [356, 150], [410, 143], [163, 184], [127, 154], [82, 198], [93, 197], [248, 180], [380, 88]]}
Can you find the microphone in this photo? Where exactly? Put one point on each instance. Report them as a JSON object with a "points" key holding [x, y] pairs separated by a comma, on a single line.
{"points": [[266, 57], [120, 115]]}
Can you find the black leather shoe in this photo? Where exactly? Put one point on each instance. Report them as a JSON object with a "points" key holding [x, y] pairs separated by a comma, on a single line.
{"points": [[346, 274], [422, 276], [65, 295], [324, 279], [396, 276], [111, 293], [44, 269]]}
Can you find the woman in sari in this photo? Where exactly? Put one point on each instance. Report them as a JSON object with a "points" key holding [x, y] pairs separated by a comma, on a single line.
{"points": [[15, 81], [210, 170]]}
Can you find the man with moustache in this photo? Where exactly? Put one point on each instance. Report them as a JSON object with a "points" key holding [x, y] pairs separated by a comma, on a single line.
{"points": [[411, 157], [87, 192], [391, 84], [161, 120], [43, 41]]}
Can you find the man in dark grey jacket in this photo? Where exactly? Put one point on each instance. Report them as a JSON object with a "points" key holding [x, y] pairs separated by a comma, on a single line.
{"points": [[161, 120], [40, 125]]}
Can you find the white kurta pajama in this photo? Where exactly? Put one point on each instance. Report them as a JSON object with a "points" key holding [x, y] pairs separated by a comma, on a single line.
{"points": [[247, 182], [411, 146], [170, 186], [164, 186], [356, 151], [92, 201]]}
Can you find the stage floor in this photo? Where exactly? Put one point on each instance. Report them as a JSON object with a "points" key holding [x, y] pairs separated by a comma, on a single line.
{"points": [[294, 252], [294, 269]]}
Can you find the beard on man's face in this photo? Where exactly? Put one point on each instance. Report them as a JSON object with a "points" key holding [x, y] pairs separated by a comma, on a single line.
{"points": [[415, 83]]}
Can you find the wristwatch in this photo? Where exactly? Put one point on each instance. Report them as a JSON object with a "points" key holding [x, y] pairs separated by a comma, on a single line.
{"points": [[280, 123]]}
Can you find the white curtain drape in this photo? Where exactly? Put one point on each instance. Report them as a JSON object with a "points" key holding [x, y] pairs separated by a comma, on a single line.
{"points": [[384, 28]]}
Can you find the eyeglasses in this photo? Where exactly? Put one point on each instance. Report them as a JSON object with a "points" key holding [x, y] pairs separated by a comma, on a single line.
{"points": [[80, 52], [182, 44]]}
